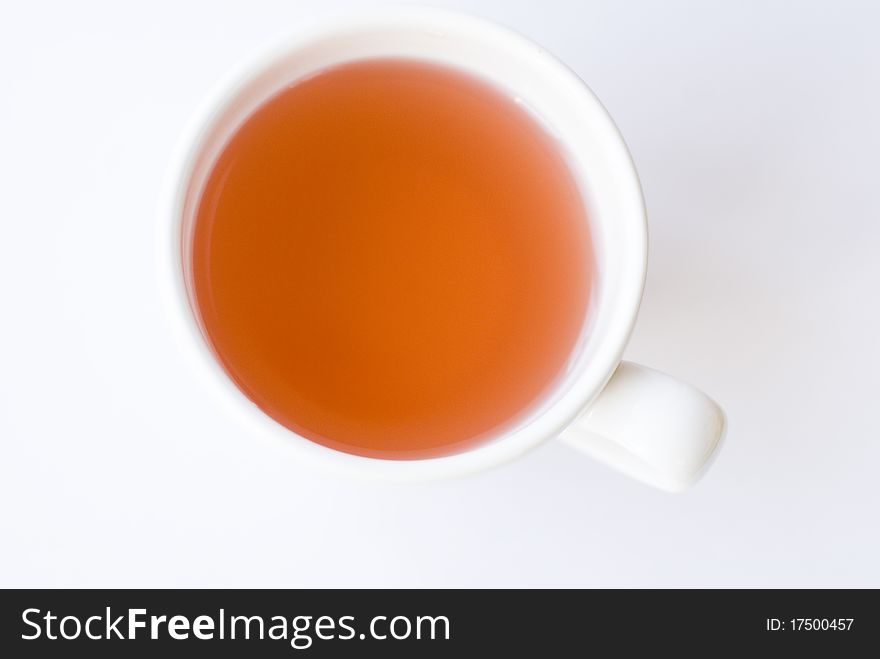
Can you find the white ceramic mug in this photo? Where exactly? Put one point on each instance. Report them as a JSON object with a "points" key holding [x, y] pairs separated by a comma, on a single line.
{"points": [[641, 422]]}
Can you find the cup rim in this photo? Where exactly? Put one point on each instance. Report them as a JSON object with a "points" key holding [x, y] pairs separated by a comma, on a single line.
{"points": [[257, 424]]}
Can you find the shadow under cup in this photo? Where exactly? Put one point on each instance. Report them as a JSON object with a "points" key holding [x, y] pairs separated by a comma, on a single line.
{"points": [[565, 108]]}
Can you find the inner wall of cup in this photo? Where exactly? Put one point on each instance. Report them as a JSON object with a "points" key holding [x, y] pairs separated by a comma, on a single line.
{"points": [[554, 97]]}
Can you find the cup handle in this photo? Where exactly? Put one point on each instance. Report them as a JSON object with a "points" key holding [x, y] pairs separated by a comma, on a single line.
{"points": [[651, 427]]}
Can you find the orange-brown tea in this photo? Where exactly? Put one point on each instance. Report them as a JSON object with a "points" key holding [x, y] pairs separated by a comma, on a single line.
{"points": [[391, 258]]}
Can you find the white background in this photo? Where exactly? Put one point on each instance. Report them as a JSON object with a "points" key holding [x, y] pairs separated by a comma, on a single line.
{"points": [[755, 128]]}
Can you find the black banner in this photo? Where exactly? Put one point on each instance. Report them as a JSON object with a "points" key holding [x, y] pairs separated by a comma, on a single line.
{"points": [[334, 623]]}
